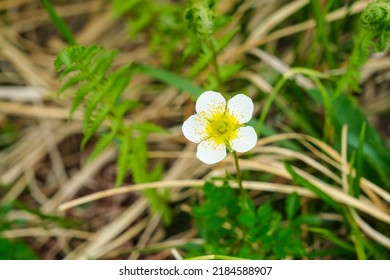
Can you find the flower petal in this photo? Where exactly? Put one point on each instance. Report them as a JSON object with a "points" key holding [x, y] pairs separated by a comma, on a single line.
{"points": [[210, 101], [241, 106], [211, 153], [194, 128], [246, 139]]}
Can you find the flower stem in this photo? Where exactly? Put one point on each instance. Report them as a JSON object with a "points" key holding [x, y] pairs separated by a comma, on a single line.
{"points": [[239, 179]]}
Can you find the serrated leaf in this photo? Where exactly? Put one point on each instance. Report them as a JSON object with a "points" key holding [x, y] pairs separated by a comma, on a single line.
{"points": [[63, 59], [204, 59], [121, 7], [71, 82], [105, 140], [122, 163], [93, 116], [102, 144], [94, 123], [227, 71], [80, 95], [222, 42]]}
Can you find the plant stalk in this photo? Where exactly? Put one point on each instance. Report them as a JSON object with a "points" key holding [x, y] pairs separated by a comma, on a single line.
{"points": [[216, 66], [239, 179]]}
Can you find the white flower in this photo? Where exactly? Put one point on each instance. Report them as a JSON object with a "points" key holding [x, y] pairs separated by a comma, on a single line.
{"points": [[218, 126]]}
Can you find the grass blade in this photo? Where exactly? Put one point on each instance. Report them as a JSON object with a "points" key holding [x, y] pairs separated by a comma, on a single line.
{"points": [[59, 23]]}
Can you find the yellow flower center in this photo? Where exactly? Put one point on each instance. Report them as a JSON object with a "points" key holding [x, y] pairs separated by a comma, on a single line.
{"points": [[222, 127]]}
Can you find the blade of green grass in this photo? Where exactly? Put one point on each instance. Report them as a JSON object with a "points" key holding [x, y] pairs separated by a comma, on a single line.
{"points": [[330, 236], [171, 79], [358, 164], [303, 182], [59, 23], [319, 17]]}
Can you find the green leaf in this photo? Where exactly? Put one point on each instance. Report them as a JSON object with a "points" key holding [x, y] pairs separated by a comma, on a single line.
{"points": [[105, 140], [358, 164], [264, 212], [308, 219], [171, 79], [121, 7], [148, 128], [16, 250], [94, 116], [303, 182], [293, 203], [330, 236], [222, 42], [375, 150], [80, 95], [247, 217], [376, 155], [122, 163], [59, 23], [204, 59]]}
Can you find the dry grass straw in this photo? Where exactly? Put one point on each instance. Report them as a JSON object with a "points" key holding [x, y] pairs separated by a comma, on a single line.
{"points": [[31, 65], [276, 167]]}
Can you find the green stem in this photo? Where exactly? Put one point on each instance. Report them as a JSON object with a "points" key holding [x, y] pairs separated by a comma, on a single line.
{"points": [[239, 179], [216, 66]]}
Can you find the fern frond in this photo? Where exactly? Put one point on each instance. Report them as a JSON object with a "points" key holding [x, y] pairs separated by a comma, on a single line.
{"points": [[122, 163], [99, 64], [200, 17], [109, 91], [376, 16], [72, 81], [90, 107], [135, 27], [148, 128], [203, 61], [373, 35], [80, 95], [64, 58], [105, 140], [117, 82], [125, 106], [94, 122], [121, 7], [227, 71], [102, 144], [86, 71], [138, 160], [224, 41]]}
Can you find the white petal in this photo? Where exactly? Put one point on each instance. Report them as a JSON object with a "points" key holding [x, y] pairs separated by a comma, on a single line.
{"points": [[194, 128], [241, 106], [246, 139], [211, 153], [209, 101]]}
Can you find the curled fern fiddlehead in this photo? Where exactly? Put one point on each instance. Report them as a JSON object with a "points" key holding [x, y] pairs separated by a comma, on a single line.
{"points": [[373, 36], [376, 16], [376, 20], [200, 17]]}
